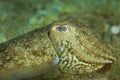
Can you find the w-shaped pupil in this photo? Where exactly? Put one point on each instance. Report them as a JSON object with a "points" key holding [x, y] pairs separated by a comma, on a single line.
{"points": [[61, 29]]}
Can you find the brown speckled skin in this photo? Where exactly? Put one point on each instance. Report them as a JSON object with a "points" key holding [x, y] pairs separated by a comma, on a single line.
{"points": [[28, 55], [33, 53], [79, 50]]}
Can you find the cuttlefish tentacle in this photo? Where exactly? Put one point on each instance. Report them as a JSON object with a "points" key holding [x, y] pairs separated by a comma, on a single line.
{"points": [[93, 47], [76, 51], [71, 64], [102, 58]]}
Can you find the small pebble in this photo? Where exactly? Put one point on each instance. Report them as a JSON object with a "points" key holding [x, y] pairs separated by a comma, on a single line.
{"points": [[115, 29]]}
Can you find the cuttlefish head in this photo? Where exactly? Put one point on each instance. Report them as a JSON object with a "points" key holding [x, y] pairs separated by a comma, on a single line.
{"points": [[78, 49]]}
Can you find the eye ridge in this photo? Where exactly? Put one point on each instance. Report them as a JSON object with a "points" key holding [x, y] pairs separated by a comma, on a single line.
{"points": [[62, 29]]}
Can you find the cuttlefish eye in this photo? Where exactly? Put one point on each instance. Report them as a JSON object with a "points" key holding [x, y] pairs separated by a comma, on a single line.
{"points": [[62, 28]]}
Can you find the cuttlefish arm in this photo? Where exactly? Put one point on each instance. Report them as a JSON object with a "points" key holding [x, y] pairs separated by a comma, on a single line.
{"points": [[91, 46], [75, 61], [89, 57]]}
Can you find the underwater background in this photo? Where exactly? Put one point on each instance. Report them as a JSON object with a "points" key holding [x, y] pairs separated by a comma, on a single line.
{"points": [[20, 16]]}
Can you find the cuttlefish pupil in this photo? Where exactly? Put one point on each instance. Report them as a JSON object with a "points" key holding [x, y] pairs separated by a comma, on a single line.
{"points": [[61, 28]]}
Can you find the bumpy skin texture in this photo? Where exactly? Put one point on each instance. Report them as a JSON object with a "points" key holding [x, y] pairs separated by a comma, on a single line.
{"points": [[79, 50], [26, 56], [69, 44]]}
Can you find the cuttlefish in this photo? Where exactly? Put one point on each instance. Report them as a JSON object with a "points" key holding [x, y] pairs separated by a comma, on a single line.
{"points": [[68, 45]]}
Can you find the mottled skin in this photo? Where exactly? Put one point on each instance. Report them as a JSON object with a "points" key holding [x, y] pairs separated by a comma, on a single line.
{"points": [[79, 50], [68, 44], [26, 56]]}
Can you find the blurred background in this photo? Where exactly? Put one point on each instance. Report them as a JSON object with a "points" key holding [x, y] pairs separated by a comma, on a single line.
{"points": [[20, 16]]}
